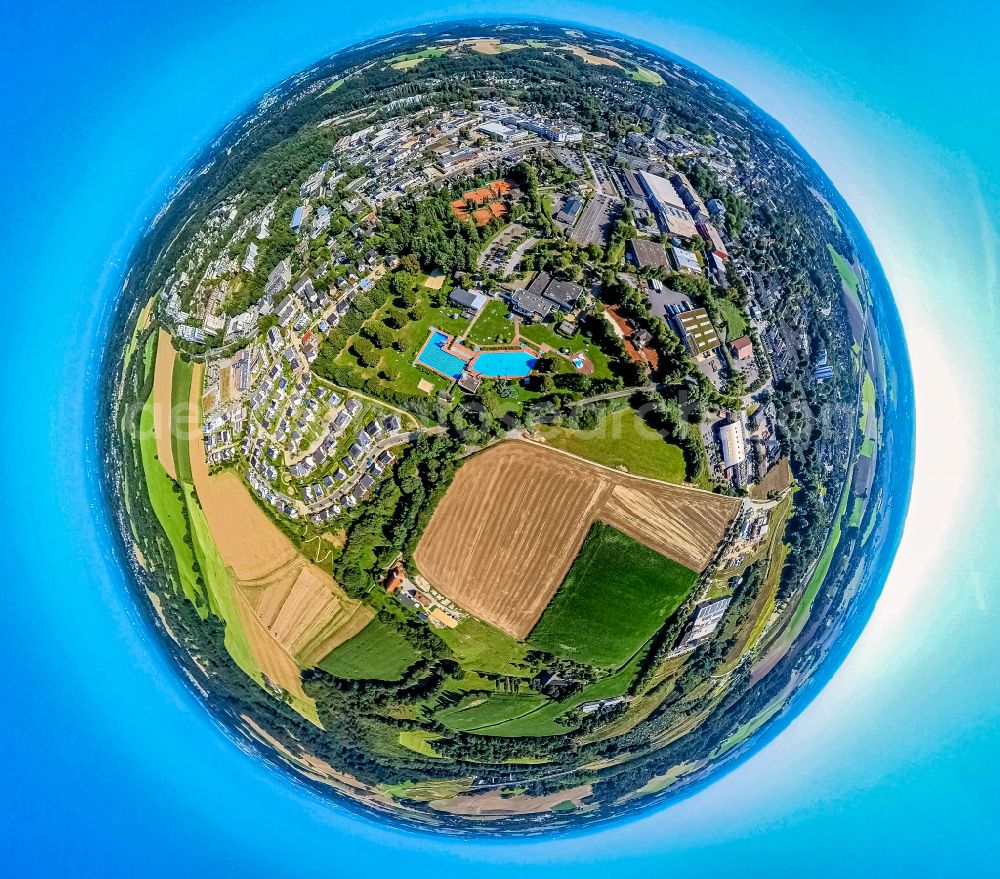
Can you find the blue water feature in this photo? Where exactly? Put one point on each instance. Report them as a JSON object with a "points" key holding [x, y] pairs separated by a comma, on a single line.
{"points": [[435, 357], [504, 364]]}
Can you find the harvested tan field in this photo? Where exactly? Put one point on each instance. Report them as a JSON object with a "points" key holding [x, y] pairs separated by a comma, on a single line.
{"points": [[163, 376], [683, 525], [293, 612], [303, 615], [492, 803], [248, 541], [778, 478], [591, 58], [485, 46], [273, 660], [505, 534]]}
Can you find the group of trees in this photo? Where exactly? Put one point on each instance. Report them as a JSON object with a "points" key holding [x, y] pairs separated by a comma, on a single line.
{"points": [[394, 518]]}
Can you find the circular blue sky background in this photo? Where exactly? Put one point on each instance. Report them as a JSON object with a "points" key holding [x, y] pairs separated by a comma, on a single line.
{"points": [[111, 767]]}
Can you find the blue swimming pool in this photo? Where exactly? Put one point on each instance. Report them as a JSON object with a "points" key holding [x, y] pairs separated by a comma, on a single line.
{"points": [[435, 357], [504, 364]]}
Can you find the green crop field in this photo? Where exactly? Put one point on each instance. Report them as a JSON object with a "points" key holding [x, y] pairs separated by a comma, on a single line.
{"points": [[180, 394], [377, 652], [825, 560], [644, 74], [219, 584], [622, 439], [419, 741], [168, 506], [615, 596], [844, 269], [867, 401], [480, 647], [479, 711]]}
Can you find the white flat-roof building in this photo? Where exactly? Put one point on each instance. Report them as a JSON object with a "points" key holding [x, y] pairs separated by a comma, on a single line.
{"points": [[734, 446], [668, 205], [686, 261], [498, 131], [706, 620]]}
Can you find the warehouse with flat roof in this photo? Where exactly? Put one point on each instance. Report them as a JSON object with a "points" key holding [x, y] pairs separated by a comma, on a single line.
{"points": [[668, 205], [734, 446]]}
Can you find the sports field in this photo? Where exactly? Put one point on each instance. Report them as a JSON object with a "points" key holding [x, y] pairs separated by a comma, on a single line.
{"points": [[377, 652], [503, 537], [616, 595]]}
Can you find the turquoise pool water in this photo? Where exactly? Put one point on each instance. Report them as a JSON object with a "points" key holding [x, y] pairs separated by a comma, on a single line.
{"points": [[504, 364], [435, 357]]}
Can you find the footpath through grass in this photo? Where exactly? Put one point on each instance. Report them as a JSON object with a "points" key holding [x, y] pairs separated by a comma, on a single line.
{"points": [[615, 596], [478, 711]]}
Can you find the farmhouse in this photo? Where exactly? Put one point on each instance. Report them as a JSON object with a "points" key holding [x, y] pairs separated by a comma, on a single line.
{"points": [[742, 348]]}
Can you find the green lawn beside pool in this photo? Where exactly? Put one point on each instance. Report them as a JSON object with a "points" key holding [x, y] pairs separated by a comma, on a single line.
{"points": [[410, 339], [492, 327], [622, 439], [616, 595], [544, 334]]}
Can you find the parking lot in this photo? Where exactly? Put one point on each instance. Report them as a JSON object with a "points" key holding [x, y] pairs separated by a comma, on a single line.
{"points": [[594, 225]]}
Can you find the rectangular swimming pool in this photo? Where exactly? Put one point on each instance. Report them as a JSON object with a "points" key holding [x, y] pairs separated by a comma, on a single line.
{"points": [[504, 364], [433, 356]]}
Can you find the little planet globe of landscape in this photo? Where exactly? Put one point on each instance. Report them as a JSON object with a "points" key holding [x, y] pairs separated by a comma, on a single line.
{"points": [[500, 425]]}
